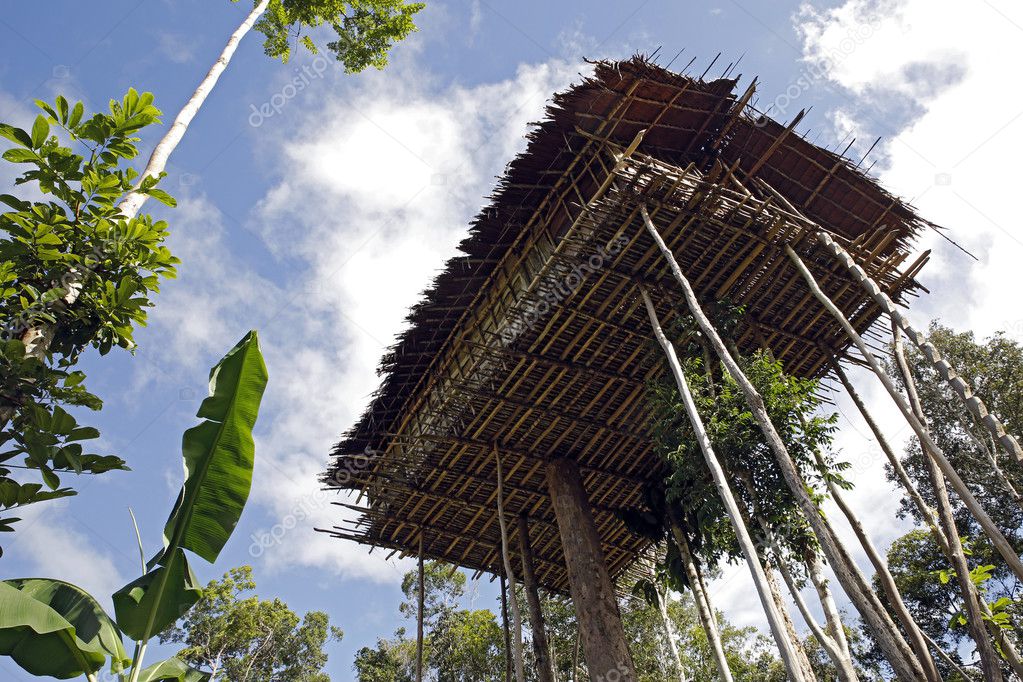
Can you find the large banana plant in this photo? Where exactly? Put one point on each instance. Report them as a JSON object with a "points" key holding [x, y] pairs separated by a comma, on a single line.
{"points": [[53, 628]]}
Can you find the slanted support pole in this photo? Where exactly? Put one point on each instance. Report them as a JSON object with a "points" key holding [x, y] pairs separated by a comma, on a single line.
{"points": [[703, 607], [420, 608], [959, 386], [544, 670], [929, 446], [859, 590], [598, 619], [989, 663], [749, 549]]}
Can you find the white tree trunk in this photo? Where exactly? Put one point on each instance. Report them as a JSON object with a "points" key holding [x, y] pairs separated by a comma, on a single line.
{"points": [[132, 202], [38, 339], [894, 646], [520, 674], [746, 543]]}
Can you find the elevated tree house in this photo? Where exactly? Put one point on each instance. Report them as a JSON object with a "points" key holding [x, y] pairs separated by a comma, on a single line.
{"points": [[534, 349]]}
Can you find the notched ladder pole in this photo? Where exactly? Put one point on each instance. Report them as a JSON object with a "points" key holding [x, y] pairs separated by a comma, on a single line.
{"points": [[973, 403], [990, 529], [788, 654]]}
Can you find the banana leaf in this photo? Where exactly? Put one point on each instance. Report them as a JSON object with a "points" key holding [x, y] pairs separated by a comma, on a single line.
{"points": [[50, 627], [172, 670]]}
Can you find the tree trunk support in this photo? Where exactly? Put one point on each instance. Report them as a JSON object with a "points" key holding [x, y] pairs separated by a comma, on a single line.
{"points": [[959, 386], [544, 670], [894, 646], [599, 621], [746, 543]]}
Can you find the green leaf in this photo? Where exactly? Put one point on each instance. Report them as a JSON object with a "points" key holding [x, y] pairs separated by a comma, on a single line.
{"points": [[162, 197], [172, 670], [152, 602], [50, 627], [15, 135], [40, 131], [219, 454], [20, 155]]}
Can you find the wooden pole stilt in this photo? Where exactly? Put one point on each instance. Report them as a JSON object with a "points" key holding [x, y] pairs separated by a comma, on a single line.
{"points": [[859, 590], [837, 650], [599, 620], [959, 386], [420, 609], [520, 673], [746, 543], [790, 626], [926, 513], [930, 447], [507, 630], [670, 635], [989, 662], [703, 607], [544, 668], [884, 576]]}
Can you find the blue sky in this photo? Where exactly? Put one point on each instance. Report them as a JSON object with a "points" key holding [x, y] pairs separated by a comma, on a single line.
{"points": [[319, 225]]}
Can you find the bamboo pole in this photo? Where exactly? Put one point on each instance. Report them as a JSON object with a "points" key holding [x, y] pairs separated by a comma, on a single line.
{"points": [[930, 447], [749, 549], [926, 512], [895, 648], [703, 607], [520, 674], [971, 597], [420, 608], [959, 386]]}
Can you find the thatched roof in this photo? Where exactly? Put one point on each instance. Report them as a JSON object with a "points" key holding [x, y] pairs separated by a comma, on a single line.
{"points": [[534, 340]]}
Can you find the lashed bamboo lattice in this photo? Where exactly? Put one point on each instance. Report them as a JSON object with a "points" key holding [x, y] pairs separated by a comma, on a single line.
{"points": [[536, 340]]}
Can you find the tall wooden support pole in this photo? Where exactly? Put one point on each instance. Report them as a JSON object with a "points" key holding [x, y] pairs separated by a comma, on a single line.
{"points": [[669, 628], [746, 543], [926, 513], [959, 386], [520, 672], [506, 629], [599, 621], [932, 520], [859, 590], [703, 607], [420, 608], [884, 576], [930, 447], [989, 662], [544, 669]]}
